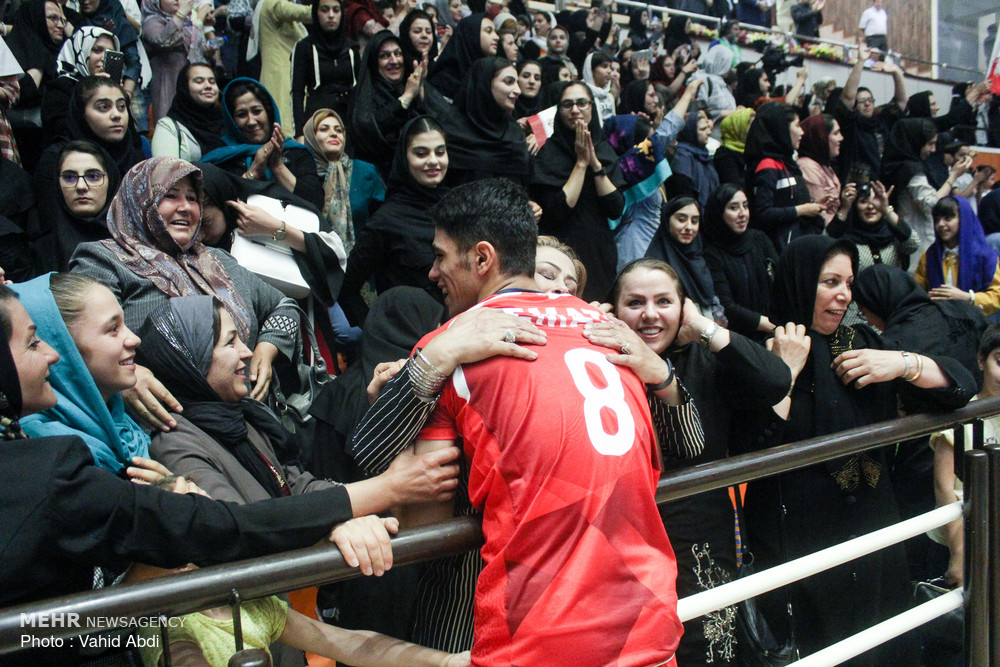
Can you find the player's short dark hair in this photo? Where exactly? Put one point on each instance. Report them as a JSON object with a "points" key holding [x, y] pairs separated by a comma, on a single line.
{"points": [[496, 211]]}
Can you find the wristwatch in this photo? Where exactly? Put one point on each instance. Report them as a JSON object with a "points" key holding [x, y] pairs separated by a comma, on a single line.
{"points": [[706, 336], [279, 235]]}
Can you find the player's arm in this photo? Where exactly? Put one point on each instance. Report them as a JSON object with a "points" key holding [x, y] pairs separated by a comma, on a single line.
{"points": [[428, 513]]}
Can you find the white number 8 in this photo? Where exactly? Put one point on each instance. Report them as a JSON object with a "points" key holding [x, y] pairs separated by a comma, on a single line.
{"points": [[595, 398]]}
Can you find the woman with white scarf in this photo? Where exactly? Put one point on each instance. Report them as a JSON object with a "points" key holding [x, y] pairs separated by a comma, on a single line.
{"points": [[602, 80]]}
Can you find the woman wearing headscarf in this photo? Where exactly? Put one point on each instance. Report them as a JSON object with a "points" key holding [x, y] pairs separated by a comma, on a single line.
{"points": [[388, 95], [73, 207], [417, 37], [256, 146], [924, 105], [82, 55], [576, 181], [484, 140], [154, 254], [639, 35], [172, 41], [395, 247], [474, 38], [37, 33], [544, 21], [110, 15], [820, 146], [741, 261], [351, 187], [325, 65], [715, 93], [644, 166], [692, 158], [960, 264], [781, 205], [880, 234], [192, 127], [843, 378], [729, 160], [910, 143], [676, 35], [598, 75], [529, 80], [679, 243]]}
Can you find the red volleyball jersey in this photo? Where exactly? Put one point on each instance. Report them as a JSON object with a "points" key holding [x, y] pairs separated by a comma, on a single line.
{"points": [[579, 571]]}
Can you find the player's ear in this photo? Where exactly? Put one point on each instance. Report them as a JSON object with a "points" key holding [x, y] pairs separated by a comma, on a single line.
{"points": [[485, 257]]}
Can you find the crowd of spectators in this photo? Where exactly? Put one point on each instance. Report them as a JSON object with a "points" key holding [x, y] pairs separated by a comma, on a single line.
{"points": [[132, 138]]}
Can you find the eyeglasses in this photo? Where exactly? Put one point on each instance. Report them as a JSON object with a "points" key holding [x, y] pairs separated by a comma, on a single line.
{"points": [[865, 100], [386, 55], [92, 177], [582, 104], [58, 20]]}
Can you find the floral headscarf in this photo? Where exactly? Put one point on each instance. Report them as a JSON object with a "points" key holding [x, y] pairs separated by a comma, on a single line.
{"points": [[337, 184], [140, 239]]}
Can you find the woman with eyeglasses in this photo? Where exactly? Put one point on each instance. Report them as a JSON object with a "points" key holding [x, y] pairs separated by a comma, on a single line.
{"points": [[576, 181], [75, 203]]}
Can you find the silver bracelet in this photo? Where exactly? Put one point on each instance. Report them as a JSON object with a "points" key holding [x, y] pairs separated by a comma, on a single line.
{"points": [[427, 380]]}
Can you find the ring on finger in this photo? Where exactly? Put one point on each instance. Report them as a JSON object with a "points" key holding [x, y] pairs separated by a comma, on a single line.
{"points": [[509, 336], [626, 348]]}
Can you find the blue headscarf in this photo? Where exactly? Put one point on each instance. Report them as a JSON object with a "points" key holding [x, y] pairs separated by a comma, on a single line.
{"points": [[977, 260], [643, 163], [111, 435], [235, 142]]}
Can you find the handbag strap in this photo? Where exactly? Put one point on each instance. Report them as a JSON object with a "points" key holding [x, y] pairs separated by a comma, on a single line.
{"points": [[317, 364]]}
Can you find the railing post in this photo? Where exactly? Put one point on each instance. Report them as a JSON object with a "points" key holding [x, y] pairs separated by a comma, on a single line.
{"points": [[993, 453], [977, 599]]}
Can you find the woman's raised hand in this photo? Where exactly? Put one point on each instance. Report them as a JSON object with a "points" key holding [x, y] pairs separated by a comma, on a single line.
{"points": [[149, 400], [260, 369], [629, 350], [582, 145], [881, 195]]}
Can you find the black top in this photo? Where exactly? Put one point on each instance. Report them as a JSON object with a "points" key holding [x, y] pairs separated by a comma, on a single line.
{"points": [[463, 49], [585, 226], [483, 139], [31, 44], [394, 247], [339, 66], [63, 515], [742, 277]]}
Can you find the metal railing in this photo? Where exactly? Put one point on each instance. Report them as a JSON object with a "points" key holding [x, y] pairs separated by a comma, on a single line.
{"points": [[789, 36], [213, 586]]}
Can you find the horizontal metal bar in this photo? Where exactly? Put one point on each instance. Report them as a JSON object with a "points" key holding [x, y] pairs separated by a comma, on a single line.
{"points": [[725, 595], [211, 587], [882, 632]]}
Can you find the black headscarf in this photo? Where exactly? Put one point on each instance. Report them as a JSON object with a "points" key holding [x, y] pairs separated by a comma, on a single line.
{"points": [[901, 160], [178, 340], [769, 136], [125, 153], [676, 33], [713, 223], [528, 106], [556, 158], [875, 236], [482, 137], [399, 318], [914, 322], [463, 49], [634, 97], [204, 123], [835, 406], [687, 259], [71, 230], [637, 32], [410, 52], [221, 186], [334, 44], [10, 391], [919, 105], [371, 93], [29, 39]]}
